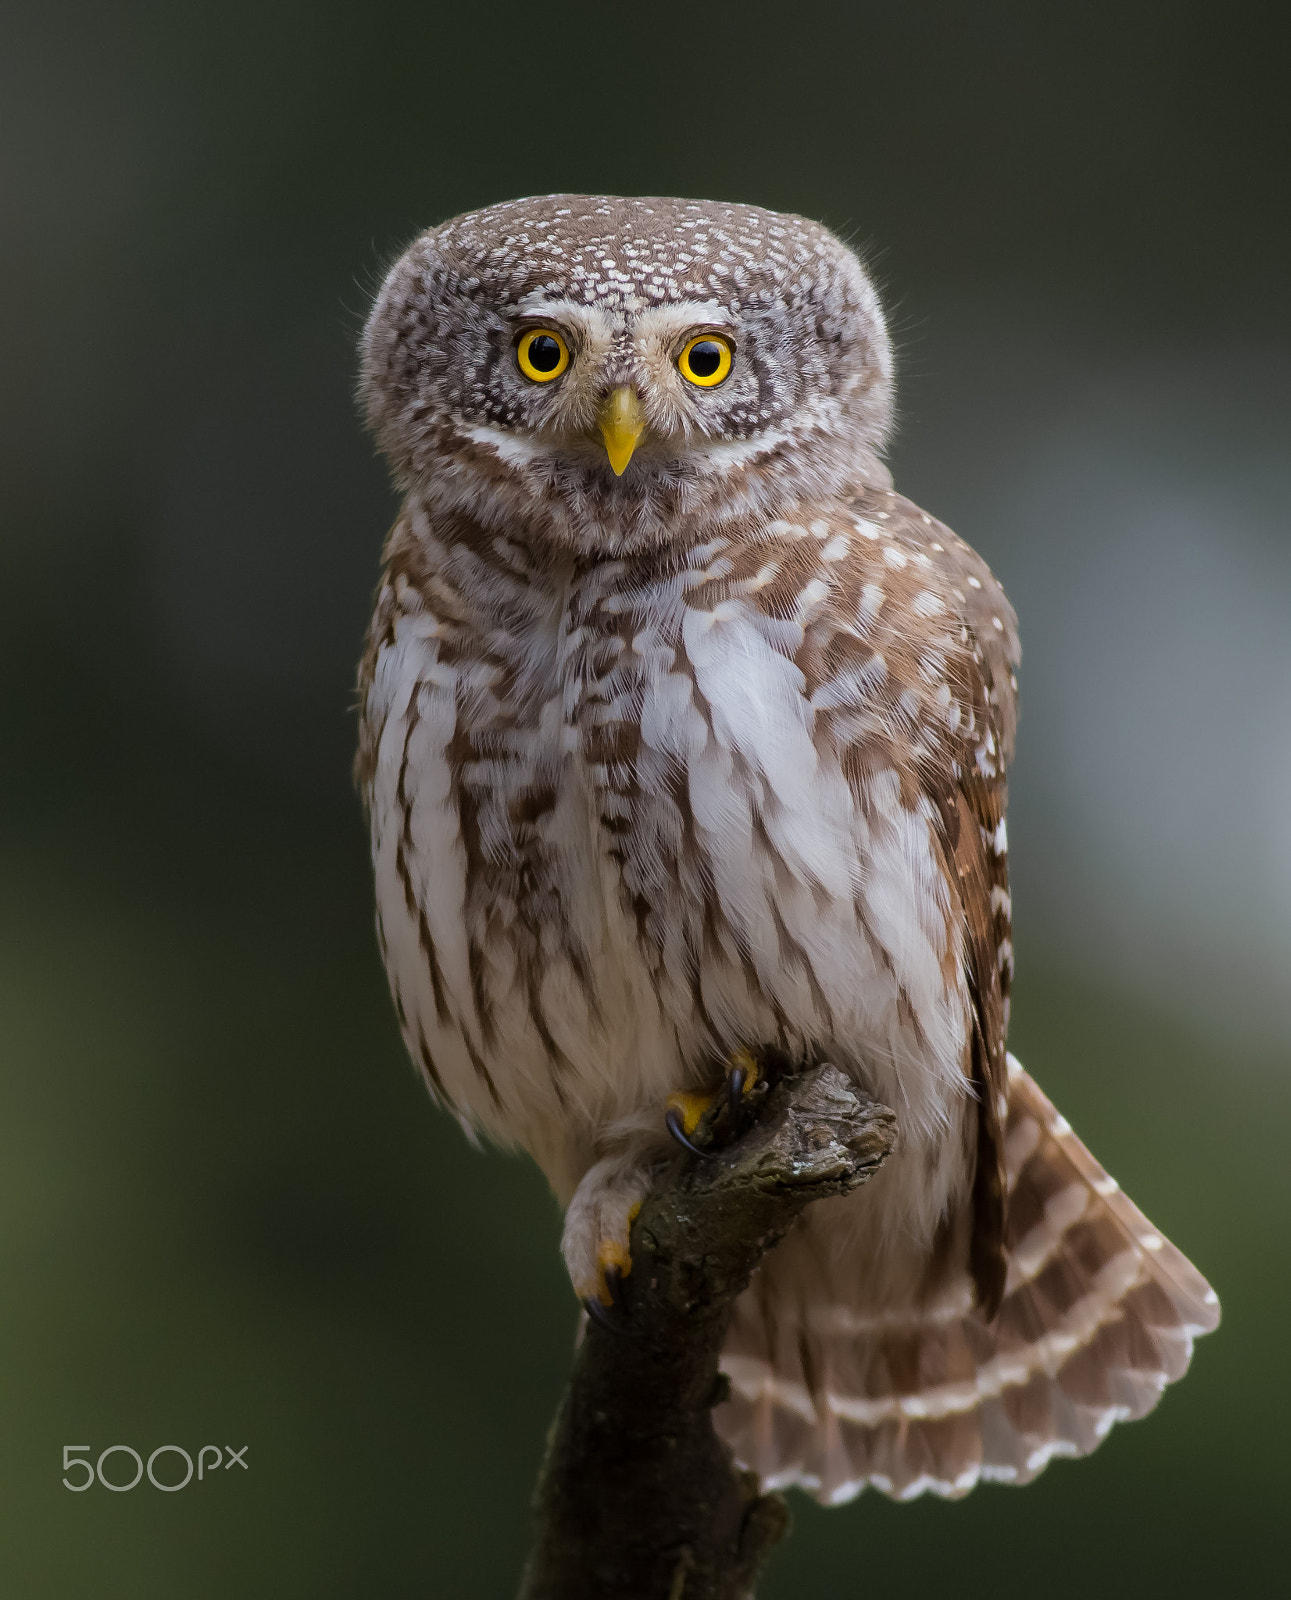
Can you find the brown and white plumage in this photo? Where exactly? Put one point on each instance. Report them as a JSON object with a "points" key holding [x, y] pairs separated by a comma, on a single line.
{"points": [[709, 755]]}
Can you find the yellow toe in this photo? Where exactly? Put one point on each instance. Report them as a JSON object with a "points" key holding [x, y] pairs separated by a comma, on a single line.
{"points": [[692, 1108], [614, 1255], [747, 1063]]}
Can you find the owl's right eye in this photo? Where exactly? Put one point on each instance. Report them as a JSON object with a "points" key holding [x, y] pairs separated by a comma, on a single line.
{"points": [[542, 354]]}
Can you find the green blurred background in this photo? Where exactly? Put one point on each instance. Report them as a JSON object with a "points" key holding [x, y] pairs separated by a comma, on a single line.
{"points": [[227, 1214]]}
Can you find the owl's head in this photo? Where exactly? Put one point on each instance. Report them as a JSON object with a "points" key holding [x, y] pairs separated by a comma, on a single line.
{"points": [[617, 373]]}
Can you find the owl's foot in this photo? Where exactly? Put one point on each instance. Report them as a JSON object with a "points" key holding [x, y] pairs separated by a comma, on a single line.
{"points": [[605, 1304], [598, 1225], [685, 1112], [598, 1222]]}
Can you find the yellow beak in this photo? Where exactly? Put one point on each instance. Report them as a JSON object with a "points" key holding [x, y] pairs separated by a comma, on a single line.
{"points": [[622, 423]]}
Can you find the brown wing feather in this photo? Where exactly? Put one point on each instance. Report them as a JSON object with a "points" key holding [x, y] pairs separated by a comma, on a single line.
{"points": [[975, 869], [967, 785]]}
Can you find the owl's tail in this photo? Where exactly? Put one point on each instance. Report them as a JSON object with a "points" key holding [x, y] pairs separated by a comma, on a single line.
{"points": [[1099, 1314]]}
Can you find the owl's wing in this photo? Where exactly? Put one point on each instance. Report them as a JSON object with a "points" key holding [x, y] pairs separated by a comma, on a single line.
{"points": [[950, 641], [971, 795]]}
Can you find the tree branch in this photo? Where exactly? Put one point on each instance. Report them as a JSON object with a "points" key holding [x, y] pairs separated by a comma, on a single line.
{"points": [[638, 1497]]}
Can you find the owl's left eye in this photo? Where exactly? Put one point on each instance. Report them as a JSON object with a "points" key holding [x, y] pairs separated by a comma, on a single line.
{"points": [[542, 354], [706, 360]]}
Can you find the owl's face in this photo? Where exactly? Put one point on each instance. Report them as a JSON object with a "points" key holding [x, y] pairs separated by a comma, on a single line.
{"points": [[620, 372]]}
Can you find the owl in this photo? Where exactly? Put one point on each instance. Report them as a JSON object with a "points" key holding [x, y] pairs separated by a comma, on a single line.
{"points": [[683, 745]]}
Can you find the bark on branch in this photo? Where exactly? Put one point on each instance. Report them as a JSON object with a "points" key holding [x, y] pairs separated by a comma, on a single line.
{"points": [[638, 1497]]}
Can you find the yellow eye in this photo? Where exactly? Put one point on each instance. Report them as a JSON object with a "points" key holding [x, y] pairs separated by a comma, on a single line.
{"points": [[706, 360], [542, 354]]}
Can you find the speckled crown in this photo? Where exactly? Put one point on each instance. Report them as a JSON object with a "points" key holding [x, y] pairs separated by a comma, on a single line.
{"points": [[626, 254]]}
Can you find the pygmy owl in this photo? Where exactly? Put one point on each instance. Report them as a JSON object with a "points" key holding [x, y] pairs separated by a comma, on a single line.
{"points": [[683, 744]]}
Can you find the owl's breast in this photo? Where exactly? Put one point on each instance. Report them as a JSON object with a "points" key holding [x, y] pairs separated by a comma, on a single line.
{"points": [[514, 959], [592, 888]]}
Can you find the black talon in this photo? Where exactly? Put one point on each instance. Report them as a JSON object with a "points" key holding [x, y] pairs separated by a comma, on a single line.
{"points": [[735, 1092], [614, 1283], [602, 1315], [613, 1318], [677, 1128]]}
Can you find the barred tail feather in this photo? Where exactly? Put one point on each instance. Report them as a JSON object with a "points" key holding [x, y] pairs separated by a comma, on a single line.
{"points": [[1099, 1313]]}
